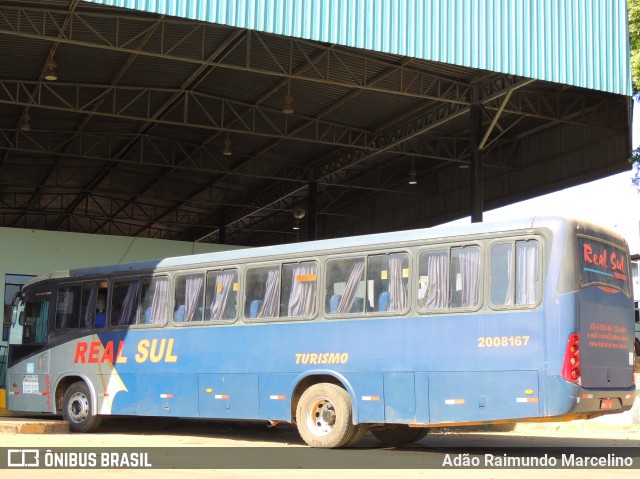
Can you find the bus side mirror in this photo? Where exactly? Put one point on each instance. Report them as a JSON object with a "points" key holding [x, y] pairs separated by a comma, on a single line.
{"points": [[6, 330]]}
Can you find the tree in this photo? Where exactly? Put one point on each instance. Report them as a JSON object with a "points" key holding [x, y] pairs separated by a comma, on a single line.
{"points": [[633, 7]]}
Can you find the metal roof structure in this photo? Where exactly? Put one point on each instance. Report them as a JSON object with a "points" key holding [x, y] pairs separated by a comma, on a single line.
{"points": [[185, 129], [577, 42]]}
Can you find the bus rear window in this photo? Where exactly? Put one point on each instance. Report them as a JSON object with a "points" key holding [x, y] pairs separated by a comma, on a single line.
{"points": [[603, 263]]}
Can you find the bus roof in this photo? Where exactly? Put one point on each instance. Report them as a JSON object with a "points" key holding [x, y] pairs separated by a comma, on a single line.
{"points": [[312, 246]]}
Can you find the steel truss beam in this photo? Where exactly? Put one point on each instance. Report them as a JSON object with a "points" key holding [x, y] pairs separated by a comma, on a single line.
{"points": [[53, 204], [149, 151], [331, 167], [573, 108], [569, 107], [198, 158], [190, 109], [192, 42]]}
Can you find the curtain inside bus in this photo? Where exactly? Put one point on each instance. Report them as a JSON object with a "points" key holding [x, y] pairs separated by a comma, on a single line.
{"points": [[41, 322], [397, 287], [269, 308], [351, 287], [89, 305], [193, 295], [129, 304], [527, 272], [224, 281], [302, 300], [466, 278], [159, 303], [438, 273]]}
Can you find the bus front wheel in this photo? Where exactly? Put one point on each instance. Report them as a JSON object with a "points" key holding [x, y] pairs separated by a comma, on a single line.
{"points": [[77, 407], [325, 419]]}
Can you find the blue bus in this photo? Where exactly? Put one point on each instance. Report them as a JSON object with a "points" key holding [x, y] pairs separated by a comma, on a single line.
{"points": [[395, 333]]}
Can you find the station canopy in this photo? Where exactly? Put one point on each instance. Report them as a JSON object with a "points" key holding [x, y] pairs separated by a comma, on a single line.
{"points": [[256, 122]]}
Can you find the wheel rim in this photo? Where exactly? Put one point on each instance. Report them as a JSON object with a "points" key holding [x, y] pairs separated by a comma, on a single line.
{"points": [[321, 417], [78, 407]]}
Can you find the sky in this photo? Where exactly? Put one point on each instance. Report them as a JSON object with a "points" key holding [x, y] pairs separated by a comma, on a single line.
{"points": [[612, 202]]}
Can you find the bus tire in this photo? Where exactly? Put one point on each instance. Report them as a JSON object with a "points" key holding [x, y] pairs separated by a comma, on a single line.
{"points": [[393, 434], [325, 418], [77, 407]]}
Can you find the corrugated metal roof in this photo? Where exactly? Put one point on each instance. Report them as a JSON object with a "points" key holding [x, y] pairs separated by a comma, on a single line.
{"points": [[577, 42]]}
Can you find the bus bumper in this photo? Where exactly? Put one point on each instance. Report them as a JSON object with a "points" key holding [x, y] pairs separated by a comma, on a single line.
{"points": [[578, 400]]}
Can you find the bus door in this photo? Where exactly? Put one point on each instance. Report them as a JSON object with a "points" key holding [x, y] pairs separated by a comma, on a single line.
{"points": [[605, 306], [28, 381]]}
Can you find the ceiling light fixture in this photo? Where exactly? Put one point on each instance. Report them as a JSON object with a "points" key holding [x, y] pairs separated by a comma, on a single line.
{"points": [[287, 109], [226, 151], [298, 213], [50, 70], [288, 104], [26, 126], [413, 177]]}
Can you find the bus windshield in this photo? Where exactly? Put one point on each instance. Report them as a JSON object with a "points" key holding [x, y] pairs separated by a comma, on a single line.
{"points": [[603, 263]]}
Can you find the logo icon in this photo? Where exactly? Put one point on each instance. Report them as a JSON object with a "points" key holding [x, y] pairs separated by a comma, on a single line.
{"points": [[23, 458]]}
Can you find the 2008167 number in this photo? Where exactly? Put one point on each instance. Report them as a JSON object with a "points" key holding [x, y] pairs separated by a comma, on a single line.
{"points": [[502, 341]]}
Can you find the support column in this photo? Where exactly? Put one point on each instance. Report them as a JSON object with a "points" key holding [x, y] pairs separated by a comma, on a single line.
{"points": [[477, 198], [312, 220]]}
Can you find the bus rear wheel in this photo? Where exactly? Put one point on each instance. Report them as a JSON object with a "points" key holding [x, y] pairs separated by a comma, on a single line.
{"points": [[325, 418], [77, 407], [393, 434]]}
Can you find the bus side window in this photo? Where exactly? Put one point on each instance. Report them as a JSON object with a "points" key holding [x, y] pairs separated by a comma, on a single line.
{"points": [[88, 307], [465, 277], [155, 299], [261, 292], [515, 282], [501, 274], [68, 307], [345, 286], [189, 298], [101, 304], [124, 303], [387, 282], [36, 315], [433, 279], [221, 301], [527, 272], [299, 289]]}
